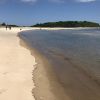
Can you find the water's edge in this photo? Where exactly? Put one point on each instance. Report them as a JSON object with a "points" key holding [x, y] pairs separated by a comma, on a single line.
{"points": [[67, 64], [47, 86]]}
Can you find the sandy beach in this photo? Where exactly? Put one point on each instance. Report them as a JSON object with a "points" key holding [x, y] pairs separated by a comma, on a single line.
{"points": [[16, 67], [66, 78], [46, 84], [49, 50], [20, 74], [25, 74]]}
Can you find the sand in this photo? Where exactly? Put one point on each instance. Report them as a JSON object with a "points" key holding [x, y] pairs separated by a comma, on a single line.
{"points": [[16, 67], [21, 78], [47, 85], [79, 85]]}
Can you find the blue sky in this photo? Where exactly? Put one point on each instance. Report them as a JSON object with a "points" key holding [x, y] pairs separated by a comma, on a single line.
{"points": [[29, 12]]}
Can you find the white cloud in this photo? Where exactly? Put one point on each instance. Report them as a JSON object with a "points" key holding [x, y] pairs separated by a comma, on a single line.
{"points": [[85, 1], [63, 1], [29, 1], [57, 1]]}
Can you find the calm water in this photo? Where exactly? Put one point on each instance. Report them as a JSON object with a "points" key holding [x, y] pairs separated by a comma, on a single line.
{"points": [[75, 58]]}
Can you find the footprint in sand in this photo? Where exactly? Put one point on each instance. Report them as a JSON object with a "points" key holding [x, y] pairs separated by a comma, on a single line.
{"points": [[2, 91], [5, 73]]}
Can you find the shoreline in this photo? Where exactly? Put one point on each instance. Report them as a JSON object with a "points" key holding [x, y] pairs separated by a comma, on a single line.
{"points": [[51, 28], [49, 87], [64, 28], [46, 83]]}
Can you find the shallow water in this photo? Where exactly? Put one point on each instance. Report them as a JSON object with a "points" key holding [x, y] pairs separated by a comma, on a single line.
{"points": [[75, 58]]}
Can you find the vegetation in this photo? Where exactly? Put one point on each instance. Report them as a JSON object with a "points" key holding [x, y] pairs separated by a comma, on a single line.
{"points": [[4, 24], [68, 24], [13, 25]]}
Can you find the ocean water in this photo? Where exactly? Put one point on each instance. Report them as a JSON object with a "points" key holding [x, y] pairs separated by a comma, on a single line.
{"points": [[74, 56]]}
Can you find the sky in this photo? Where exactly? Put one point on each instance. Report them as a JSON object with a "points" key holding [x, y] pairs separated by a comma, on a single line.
{"points": [[30, 12]]}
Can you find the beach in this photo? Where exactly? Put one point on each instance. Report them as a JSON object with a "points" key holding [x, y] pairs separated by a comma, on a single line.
{"points": [[49, 64], [46, 84], [67, 63], [16, 67], [49, 50], [22, 72]]}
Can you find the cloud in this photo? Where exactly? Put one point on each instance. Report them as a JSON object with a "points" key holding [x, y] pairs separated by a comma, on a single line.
{"points": [[85, 1], [54, 1], [24, 1], [64, 1], [57, 1], [33, 1]]}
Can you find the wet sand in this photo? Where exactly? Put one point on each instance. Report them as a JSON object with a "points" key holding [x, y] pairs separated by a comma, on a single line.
{"points": [[47, 85], [74, 83]]}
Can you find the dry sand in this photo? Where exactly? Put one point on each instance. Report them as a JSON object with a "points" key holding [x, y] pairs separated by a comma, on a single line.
{"points": [[16, 66]]}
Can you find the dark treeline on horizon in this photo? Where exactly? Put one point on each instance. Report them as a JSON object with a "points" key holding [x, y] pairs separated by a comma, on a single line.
{"points": [[68, 24], [60, 24], [4, 24]]}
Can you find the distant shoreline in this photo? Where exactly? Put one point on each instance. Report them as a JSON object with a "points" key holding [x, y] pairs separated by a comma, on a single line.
{"points": [[51, 28], [63, 28]]}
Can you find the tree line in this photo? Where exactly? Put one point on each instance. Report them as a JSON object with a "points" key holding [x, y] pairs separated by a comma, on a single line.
{"points": [[4, 24], [68, 24]]}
